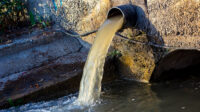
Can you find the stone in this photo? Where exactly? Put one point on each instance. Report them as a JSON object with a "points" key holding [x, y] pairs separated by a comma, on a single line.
{"points": [[58, 78], [43, 64], [137, 61], [178, 22], [165, 20], [32, 50], [177, 64]]}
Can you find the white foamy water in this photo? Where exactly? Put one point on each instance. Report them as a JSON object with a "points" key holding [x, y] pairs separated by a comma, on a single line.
{"points": [[90, 86]]}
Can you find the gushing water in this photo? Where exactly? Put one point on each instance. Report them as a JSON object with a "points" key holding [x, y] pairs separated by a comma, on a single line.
{"points": [[90, 86]]}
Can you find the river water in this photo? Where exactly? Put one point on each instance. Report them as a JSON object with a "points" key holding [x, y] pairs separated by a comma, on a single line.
{"points": [[129, 96]]}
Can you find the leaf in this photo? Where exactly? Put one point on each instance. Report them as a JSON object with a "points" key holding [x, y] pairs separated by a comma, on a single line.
{"points": [[43, 23], [32, 18], [10, 102], [40, 21]]}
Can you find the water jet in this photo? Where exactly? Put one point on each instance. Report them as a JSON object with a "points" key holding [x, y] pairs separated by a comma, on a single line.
{"points": [[118, 17]]}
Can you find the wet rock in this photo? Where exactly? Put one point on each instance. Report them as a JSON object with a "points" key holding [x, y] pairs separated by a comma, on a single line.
{"points": [[137, 61], [178, 23], [39, 63], [43, 65], [43, 83], [165, 20], [177, 65], [56, 79], [35, 49]]}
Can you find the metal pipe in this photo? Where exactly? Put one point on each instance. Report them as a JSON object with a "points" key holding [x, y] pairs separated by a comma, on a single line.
{"points": [[127, 11]]}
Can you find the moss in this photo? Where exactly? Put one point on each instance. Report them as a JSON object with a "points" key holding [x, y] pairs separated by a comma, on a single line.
{"points": [[114, 53], [137, 61]]}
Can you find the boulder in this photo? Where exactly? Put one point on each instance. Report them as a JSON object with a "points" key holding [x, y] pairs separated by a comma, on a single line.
{"points": [[170, 23], [34, 49], [177, 64], [38, 61], [43, 64]]}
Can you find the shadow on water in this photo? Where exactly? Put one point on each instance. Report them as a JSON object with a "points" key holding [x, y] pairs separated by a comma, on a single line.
{"points": [[129, 96], [170, 96]]}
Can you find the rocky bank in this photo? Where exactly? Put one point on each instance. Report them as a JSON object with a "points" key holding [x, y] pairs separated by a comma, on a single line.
{"points": [[164, 22], [173, 23]]}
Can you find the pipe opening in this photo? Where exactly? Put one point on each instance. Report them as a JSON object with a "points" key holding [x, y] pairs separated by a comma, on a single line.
{"points": [[128, 12], [114, 12]]}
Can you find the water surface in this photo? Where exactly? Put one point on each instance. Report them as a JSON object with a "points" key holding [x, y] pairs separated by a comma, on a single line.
{"points": [[129, 96]]}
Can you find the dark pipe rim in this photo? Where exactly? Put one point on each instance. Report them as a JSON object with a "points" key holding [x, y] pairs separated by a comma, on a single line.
{"points": [[114, 11], [129, 13]]}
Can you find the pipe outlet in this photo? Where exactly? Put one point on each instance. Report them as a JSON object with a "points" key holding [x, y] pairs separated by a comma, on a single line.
{"points": [[127, 11]]}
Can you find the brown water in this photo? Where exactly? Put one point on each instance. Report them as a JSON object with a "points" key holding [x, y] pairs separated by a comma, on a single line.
{"points": [[128, 96], [90, 86]]}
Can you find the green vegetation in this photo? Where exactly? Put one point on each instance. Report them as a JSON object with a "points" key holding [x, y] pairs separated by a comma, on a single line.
{"points": [[10, 101], [114, 53], [37, 20], [12, 13], [15, 103]]}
